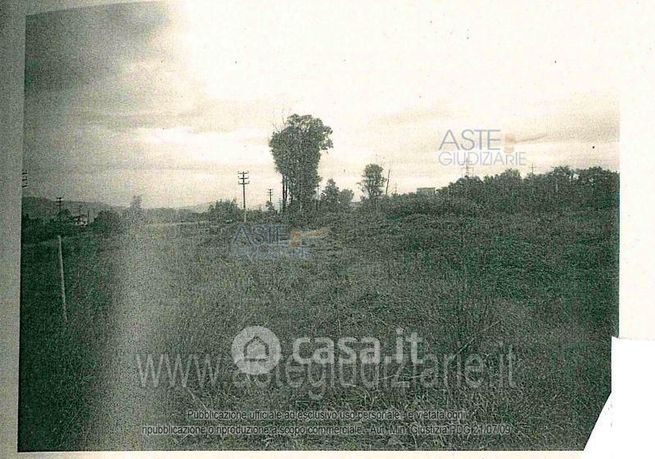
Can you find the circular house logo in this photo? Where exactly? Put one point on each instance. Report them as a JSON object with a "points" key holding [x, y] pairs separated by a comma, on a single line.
{"points": [[256, 350]]}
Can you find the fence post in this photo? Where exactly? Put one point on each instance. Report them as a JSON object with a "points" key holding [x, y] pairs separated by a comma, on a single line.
{"points": [[61, 276]]}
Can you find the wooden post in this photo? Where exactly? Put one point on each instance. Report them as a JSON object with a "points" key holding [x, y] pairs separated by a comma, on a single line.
{"points": [[243, 181], [61, 276]]}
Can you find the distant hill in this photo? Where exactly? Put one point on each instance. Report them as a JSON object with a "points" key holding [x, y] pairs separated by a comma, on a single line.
{"points": [[46, 208]]}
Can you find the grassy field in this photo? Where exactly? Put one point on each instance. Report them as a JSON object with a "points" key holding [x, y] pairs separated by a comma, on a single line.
{"points": [[545, 289]]}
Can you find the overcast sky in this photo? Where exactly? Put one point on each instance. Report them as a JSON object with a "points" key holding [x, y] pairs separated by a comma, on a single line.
{"points": [[171, 100]]}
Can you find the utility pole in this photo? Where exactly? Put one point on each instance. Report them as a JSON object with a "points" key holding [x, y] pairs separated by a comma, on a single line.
{"points": [[270, 195], [532, 169], [59, 207], [386, 189], [468, 169], [285, 190], [243, 181]]}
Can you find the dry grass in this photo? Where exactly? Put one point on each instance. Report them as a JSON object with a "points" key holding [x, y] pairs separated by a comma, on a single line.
{"points": [[546, 289]]}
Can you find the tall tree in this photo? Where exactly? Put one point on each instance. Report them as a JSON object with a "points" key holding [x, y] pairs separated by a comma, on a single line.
{"points": [[107, 221], [224, 211], [345, 198], [373, 181], [134, 215], [296, 149], [330, 196]]}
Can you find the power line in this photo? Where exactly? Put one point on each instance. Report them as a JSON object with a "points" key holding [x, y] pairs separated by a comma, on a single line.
{"points": [[243, 181]]}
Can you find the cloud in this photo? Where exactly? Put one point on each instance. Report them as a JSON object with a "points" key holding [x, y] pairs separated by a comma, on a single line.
{"points": [[581, 118], [415, 116], [71, 48], [199, 116], [136, 94]]}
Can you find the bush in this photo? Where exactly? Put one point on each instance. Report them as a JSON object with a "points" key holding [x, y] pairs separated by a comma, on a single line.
{"points": [[412, 204]]}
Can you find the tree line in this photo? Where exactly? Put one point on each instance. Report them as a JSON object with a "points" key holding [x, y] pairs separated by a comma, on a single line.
{"points": [[298, 145], [297, 148]]}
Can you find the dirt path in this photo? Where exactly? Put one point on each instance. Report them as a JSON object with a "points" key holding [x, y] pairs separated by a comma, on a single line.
{"points": [[144, 305]]}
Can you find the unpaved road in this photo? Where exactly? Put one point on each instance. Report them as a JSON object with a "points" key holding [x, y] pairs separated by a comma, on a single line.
{"points": [[146, 303]]}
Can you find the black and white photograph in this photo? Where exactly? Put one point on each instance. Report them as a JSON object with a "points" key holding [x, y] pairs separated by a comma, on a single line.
{"points": [[304, 225]]}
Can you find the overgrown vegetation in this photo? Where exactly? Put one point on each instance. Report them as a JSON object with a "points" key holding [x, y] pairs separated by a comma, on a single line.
{"points": [[483, 267], [543, 285]]}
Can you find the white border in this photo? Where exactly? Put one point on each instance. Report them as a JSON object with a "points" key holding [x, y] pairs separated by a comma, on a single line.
{"points": [[637, 170]]}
